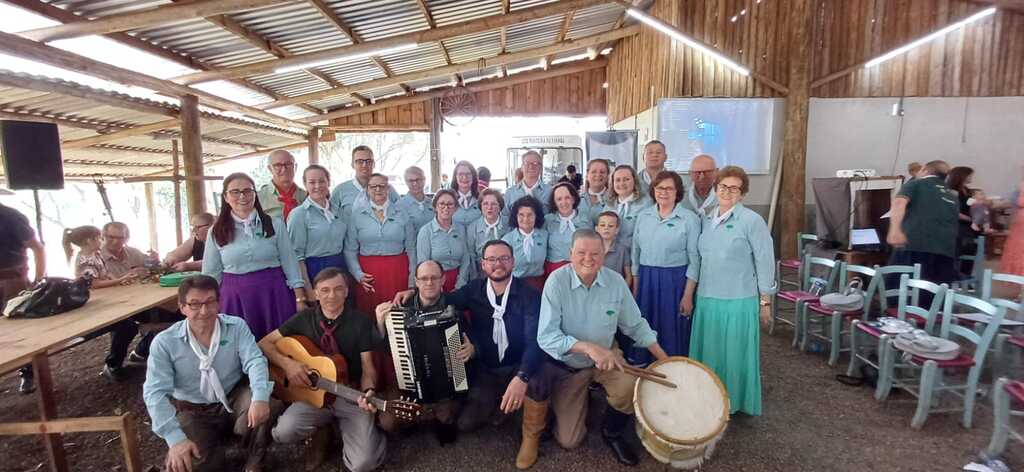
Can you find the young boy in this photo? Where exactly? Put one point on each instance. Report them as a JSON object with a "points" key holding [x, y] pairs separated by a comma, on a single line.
{"points": [[616, 256]]}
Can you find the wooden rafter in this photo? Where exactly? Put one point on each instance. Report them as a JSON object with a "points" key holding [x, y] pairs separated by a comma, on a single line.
{"points": [[562, 32], [433, 24], [503, 39], [444, 71], [478, 25], [161, 15]]}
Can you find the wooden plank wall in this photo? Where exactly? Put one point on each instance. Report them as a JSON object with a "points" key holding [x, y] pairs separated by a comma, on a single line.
{"points": [[983, 59], [579, 94]]}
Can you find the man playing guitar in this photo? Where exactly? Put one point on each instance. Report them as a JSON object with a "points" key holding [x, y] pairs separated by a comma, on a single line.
{"points": [[352, 335]]}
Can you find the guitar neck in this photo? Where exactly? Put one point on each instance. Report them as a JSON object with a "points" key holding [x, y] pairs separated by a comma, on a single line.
{"points": [[348, 393]]}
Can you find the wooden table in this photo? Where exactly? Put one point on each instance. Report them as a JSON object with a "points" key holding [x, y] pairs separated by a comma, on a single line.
{"points": [[30, 341]]}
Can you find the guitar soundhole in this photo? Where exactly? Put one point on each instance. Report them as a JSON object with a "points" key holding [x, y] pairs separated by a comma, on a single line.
{"points": [[314, 377]]}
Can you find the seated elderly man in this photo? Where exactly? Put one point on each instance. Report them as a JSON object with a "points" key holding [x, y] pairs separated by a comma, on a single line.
{"points": [[582, 306], [195, 392]]}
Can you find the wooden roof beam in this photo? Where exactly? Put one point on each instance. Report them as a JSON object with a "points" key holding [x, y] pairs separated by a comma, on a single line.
{"points": [[444, 32], [98, 96], [161, 15], [562, 33], [125, 133], [27, 49], [443, 71], [433, 24], [503, 40]]}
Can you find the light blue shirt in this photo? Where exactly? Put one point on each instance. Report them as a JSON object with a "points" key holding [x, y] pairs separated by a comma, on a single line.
{"points": [[465, 216], [312, 234], [627, 219], [347, 193], [366, 236], [542, 192], [447, 247], [532, 266], [420, 212], [589, 209], [669, 242], [246, 254], [570, 312], [560, 242], [702, 207], [737, 257], [479, 235], [172, 371]]}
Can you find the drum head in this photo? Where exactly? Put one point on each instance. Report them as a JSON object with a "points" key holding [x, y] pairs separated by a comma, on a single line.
{"points": [[692, 414]]}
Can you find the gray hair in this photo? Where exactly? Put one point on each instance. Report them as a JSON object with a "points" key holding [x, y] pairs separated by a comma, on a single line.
{"points": [[585, 233]]}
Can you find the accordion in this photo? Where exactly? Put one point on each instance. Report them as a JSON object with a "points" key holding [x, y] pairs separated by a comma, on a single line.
{"points": [[423, 347]]}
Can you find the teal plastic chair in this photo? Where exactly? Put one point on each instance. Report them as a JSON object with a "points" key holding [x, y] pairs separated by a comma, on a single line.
{"points": [[909, 292], [1007, 349], [802, 241], [971, 282], [814, 313], [811, 265], [1005, 390], [862, 335], [931, 384]]}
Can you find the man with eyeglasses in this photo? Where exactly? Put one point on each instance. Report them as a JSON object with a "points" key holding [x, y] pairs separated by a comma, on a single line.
{"points": [[348, 193], [195, 392], [282, 194], [415, 203], [426, 298], [700, 196], [178, 259], [532, 184]]}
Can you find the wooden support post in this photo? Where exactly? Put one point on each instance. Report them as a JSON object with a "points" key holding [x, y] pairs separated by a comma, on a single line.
{"points": [[130, 444], [151, 214], [177, 192], [48, 411], [314, 146], [192, 147], [435, 143], [794, 148]]}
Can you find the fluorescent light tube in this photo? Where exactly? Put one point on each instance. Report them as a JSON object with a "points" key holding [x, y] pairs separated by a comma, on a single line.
{"points": [[346, 58], [953, 27], [671, 32]]}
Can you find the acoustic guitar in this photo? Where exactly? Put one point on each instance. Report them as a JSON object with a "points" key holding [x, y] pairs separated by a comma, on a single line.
{"points": [[324, 374]]}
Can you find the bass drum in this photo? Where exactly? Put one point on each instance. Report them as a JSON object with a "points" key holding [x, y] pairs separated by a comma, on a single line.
{"points": [[681, 426]]}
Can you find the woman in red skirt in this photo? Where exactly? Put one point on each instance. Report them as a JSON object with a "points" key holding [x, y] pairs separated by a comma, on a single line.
{"points": [[445, 241]]}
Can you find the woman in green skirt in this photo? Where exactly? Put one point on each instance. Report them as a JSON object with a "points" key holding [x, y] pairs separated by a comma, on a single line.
{"points": [[737, 278]]}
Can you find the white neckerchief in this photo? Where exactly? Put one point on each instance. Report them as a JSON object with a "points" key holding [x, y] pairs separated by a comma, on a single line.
{"points": [[527, 189], [492, 229], [704, 209], [381, 208], [717, 219], [248, 224], [527, 243], [325, 210], [646, 176], [359, 187], [422, 203], [499, 334], [599, 195], [565, 222], [209, 381], [623, 208], [465, 199]]}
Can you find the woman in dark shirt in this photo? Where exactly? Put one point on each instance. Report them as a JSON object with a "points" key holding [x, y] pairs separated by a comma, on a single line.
{"points": [[957, 181]]}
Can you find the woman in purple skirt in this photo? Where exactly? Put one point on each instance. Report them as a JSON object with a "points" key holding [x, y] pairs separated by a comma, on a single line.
{"points": [[252, 257]]}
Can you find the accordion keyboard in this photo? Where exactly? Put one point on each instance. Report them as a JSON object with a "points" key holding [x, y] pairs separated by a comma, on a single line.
{"points": [[400, 352]]}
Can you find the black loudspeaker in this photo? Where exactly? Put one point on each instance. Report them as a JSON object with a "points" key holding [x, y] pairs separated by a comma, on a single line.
{"points": [[32, 158]]}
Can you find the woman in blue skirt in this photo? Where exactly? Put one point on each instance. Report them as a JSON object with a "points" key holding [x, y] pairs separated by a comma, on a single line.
{"points": [[316, 228], [737, 279], [665, 265]]}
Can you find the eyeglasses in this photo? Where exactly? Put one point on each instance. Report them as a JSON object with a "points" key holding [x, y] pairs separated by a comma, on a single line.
{"points": [[378, 187], [531, 164], [363, 162], [495, 260], [430, 279], [196, 306], [115, 237], [664, 189], [702, 172], [414, 180], [247, 193], [446, 205], [283, 166], [732, 189]]}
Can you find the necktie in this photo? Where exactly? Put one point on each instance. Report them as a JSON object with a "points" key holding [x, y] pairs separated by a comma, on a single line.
{"points": [[498, 333], [209, 381], [327, 342], [287, 199]]}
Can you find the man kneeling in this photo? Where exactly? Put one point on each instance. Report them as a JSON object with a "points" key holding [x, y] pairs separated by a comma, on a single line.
{"points": [[194, 390], [337, 331]]}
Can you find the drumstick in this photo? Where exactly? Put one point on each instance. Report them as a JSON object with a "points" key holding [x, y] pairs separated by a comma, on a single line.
{"points": [[643, 374], [647, 371]]}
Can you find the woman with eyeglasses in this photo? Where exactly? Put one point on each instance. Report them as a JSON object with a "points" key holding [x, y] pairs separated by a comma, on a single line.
{"points": [[627, 200], [595, 189], [415, 202], [316, 228], [445, 241], [380, 247], [666, 264], [253, 259], [529, 240], [487, 228], [564, 219], [467, 192], [737, 279]]}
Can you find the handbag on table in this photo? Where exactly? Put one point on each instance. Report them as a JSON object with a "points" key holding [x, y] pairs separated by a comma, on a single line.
{"points": [[48, 297]]}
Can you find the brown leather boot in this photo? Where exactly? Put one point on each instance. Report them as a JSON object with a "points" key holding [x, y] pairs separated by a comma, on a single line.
{"points": [[534, 419], [317, 452]]}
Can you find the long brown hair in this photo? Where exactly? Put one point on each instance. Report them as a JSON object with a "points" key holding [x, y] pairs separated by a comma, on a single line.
{"points": [[957, 179], [224, 227], [77, 236], [474, 186]]}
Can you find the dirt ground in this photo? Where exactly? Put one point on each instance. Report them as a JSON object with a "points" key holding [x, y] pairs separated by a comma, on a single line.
{"points": [[811, 422]]}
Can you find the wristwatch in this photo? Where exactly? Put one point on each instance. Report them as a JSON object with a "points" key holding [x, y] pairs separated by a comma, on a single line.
{"points": [[523, 376]]}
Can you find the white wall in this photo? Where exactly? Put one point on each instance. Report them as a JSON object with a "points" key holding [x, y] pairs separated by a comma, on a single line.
{"points": [[984, 133]]}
